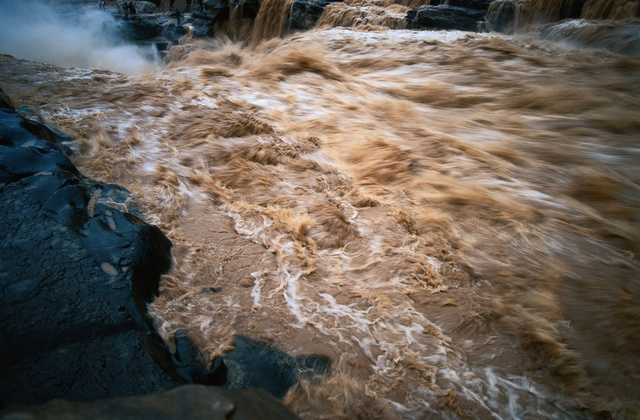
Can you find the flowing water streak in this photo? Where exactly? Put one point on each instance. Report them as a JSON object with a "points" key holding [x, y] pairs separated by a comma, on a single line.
{"points": [[271, 21], [611, 9], [359, 208], [362, 13]]}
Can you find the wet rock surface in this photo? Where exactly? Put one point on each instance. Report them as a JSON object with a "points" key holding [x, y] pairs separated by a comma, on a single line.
{"points": [[254, 363], [446, 16], [143, 26], [186, 402], [503, 13], [70, 253], [502, 19]]}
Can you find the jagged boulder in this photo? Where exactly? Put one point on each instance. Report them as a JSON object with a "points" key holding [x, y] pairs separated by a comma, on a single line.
{"points": [[5, 101], [206, 13], [212, 9], [202, 27]]}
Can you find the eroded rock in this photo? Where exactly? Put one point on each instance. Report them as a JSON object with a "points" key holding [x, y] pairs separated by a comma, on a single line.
{"points": [[68, 261]]}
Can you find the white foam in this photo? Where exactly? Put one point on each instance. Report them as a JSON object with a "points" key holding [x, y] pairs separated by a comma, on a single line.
{"points": [[256, 291]]}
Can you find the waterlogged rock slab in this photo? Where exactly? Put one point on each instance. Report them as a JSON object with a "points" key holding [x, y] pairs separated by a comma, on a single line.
{"points": [[248, 8], [69, 255], [255, 363], [610, 35], [445, 17], [191, 402], [503, 13], [572, 10], [184, 361], [251, 364]]}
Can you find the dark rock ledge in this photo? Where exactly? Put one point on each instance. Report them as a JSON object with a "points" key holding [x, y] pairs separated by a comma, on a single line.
{"points": [[463, 15], [69, 252], [188, 402], [77, 270]]}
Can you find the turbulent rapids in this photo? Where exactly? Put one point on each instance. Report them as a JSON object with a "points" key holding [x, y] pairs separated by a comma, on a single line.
{"points": [[450, 217]]}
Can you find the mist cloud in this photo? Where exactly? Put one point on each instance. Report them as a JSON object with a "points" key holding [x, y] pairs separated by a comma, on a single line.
{"points": [[83, 37]]}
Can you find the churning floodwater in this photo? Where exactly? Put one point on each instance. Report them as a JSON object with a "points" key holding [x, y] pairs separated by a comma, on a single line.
{"points": [[451, 217]]}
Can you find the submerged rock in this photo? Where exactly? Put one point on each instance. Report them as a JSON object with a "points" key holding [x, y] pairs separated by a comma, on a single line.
{"points": [[255, 363], [619, 37]]}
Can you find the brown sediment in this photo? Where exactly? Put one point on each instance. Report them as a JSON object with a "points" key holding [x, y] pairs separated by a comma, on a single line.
{"points": [[451, 219], [361, 15], [271, 21]]}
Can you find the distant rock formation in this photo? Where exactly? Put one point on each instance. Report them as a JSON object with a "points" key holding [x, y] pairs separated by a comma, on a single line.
{"points": [[463, 15]]}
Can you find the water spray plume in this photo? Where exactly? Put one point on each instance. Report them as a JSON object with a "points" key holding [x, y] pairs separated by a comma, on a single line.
{"points": [[69, 37]]}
